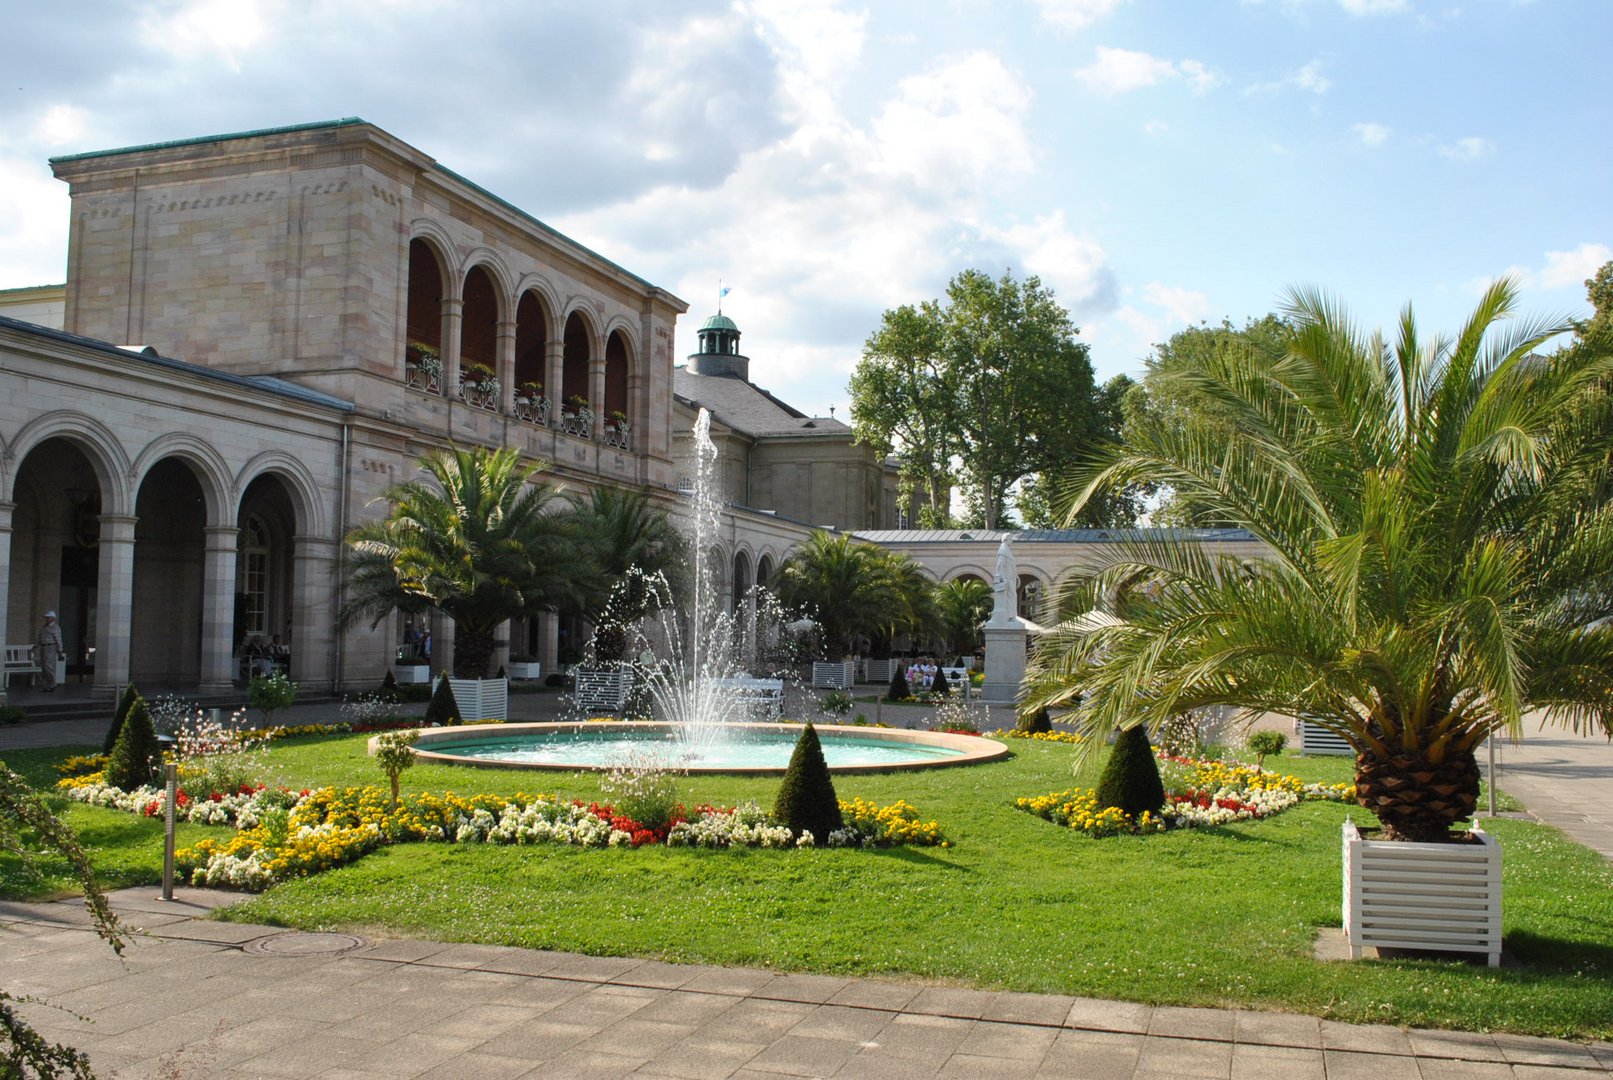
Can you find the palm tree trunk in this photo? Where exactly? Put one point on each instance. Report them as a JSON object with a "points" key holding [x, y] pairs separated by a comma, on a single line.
{"points": [[473, 650]]}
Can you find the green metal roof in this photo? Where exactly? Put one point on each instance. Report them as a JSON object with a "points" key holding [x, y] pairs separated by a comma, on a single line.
{"points": [[719, 322], [346, 121]]}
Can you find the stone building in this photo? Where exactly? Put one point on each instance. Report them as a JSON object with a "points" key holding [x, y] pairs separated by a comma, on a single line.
{"points": [[260, 332]]}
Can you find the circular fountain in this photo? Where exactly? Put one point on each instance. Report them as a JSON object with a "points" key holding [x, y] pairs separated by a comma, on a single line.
{"points": [[690, 674], [745, 749]]}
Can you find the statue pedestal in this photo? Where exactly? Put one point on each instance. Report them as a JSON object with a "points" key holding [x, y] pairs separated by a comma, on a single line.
{"points": [[1005, 661]]}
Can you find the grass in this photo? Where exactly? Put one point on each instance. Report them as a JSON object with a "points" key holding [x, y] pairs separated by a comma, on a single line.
{"points": [[1224, 917]]}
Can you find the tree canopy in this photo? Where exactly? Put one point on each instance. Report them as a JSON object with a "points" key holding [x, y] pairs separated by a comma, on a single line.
{"points": [[851, 589], [1438, 559], [478, 541], [988, 385]]}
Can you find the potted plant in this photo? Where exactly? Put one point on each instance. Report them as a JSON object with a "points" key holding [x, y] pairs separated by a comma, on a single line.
{"points": [[523, 667], [422, 366], [580, 422], [1437, 565], [619, 427], [477, 385]]}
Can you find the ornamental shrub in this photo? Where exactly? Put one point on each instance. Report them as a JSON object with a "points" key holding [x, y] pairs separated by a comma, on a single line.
{"points": [[939, 684], [899, 690], [1131, 776], [1039, 722], [1263, 744], [269, 693], [394, 752], [130, 696], [136, 754], [806, 798], [11, 714], [443, 710]]}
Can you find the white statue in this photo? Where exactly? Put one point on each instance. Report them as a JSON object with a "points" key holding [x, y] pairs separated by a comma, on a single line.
{"points": [[1005, 584]]}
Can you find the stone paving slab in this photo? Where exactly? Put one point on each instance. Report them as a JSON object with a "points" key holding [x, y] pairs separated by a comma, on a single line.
{"points": [[197, 1003]]}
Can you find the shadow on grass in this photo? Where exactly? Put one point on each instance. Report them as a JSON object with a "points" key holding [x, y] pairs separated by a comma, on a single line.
{"points": [[917, 856], [1538, 953]]}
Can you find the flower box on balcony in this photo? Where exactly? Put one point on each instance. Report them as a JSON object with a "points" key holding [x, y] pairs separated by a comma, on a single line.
{"points": [[1445, 897]]}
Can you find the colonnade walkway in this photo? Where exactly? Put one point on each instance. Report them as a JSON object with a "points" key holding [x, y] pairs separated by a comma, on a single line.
{"points": [[199, 999]]}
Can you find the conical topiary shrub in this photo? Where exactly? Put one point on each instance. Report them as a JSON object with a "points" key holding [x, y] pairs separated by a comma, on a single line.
{"points": [[130, 696], [443, 710], [806, 799], [1035, 723], [939, 684], [1131, 777], [899, 690], [136, 755]]}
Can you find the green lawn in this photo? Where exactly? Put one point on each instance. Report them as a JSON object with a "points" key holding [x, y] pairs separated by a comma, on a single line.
{"points": [[1214, 917]]}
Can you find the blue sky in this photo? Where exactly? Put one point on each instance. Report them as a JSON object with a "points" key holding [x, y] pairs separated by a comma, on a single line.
{"points": [[1157, 163]]}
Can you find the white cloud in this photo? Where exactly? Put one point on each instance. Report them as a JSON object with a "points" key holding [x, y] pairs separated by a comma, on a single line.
{"points": [[1370, 134], [1073, 264], [1471, 148], [33, 224], [1184, 306], [1156, 128], [1117, 71], [1374, 7], [1572, 268], [216, 29], [817, 44], [1308, 78], [1074, 14], [957, 124]]}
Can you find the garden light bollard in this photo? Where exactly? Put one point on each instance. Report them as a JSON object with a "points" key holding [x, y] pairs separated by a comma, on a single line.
{"points": [[171, 787]]}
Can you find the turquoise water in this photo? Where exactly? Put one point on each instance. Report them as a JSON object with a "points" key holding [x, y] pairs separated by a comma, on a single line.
{"points": [[747, 750]]}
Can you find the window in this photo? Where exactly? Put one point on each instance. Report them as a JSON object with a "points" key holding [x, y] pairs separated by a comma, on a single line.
{"points": [[255, 577]]}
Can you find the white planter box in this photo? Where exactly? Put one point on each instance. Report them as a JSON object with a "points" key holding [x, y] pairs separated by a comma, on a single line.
{"points": [[602, 691], [524, 671], [834, 676], [481, 699], [1317, 741], [877, 671], [411, 674], [1422, 896]]}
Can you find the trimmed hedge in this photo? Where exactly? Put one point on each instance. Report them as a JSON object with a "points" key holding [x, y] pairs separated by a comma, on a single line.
{"points": [[1131, 776], [806, 798]]}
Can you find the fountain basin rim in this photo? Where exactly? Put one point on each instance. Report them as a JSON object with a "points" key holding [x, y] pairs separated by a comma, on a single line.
{"points": [[972, 749]]}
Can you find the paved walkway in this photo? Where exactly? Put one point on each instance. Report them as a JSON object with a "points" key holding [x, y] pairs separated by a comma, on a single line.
{"points": [[198, 999], [202, 999]]}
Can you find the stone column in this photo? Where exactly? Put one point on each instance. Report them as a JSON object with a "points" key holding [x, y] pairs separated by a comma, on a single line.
{"points": [[442, 643], [6, 510], [596, 394], [452, 316], [549, 642], [554, 377], [504, 366], [219, 560], [501, 648], [313, 616], [114, 605]]}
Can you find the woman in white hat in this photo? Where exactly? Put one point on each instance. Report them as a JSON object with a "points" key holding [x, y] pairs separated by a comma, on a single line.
{"points": [[50, 647]]}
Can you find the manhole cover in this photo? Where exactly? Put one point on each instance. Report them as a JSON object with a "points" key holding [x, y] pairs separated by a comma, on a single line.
{"points": [[300, 944]]}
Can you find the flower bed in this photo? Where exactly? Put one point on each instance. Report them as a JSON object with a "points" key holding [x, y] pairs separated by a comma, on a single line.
{"points": [[1039, 736], [1198, 794], [288, 834]]}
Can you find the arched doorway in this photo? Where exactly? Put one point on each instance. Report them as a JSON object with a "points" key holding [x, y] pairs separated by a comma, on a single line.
{"points": [[577, 353], [55, 550], [478, 334], [264, 570], [616, 364], [531, 353], [165, 645]]}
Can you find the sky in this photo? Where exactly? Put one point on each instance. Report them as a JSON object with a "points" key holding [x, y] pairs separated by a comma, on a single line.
{"points": [[1158, 164]]}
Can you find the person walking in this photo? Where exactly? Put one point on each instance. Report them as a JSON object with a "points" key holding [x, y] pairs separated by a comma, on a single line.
{"points": [[50, 647]]}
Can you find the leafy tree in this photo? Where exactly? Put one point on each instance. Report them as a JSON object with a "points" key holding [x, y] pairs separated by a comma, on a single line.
{"points": [[964, 605], [901, 403], [28, 830], [1042, 504], [1436, 565], [477, 542], [851, 588], [394, 753], [631, 540], [992, 378], [806, 796]]}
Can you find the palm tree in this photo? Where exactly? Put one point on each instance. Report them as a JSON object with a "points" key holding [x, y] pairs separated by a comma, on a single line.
{"points": [[965, 605], [478, 542], [1438, 562], [912, 607], [844, 585], [632, 541]]}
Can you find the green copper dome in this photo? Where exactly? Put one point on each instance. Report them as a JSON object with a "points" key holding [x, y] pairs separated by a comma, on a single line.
{"points": [[719, 322]]}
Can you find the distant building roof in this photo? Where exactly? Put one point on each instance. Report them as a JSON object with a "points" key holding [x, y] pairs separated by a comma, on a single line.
{"points": [[748, 408], [1047, 536], [148, 356]]}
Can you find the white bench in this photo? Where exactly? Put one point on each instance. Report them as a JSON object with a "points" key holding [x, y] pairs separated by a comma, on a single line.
{"points": [[762, 696], [20, 661]]}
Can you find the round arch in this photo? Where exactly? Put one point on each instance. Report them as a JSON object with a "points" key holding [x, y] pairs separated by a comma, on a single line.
{"points": [[300, 484], [979, 572], [482, 308], [212, 474], [618, 367], [533, 332], [430, 280], [579, 349], [105, 453]]}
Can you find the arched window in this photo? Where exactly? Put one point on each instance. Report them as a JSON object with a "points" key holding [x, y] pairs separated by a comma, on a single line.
{"points": [[616, 375], [254, 577], [423, 327], [576, 362]]}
